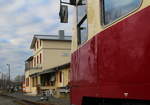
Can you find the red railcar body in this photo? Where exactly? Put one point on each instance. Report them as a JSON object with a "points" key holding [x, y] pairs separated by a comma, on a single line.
{"points": [[115, 63]]}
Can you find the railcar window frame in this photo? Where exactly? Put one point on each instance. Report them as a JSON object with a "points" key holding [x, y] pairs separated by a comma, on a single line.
{"points": [[103, 19]]}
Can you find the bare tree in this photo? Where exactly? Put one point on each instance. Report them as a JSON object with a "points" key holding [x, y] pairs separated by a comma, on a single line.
{"points": [[19, 78]]}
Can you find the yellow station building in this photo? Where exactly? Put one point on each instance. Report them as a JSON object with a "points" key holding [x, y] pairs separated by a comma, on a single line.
{"points": [[48, 68]]}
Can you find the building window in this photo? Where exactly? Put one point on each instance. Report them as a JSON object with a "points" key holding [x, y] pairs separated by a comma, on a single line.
{"points": [[37, 44], [40, 58], [33, 81], [115, 9], [65, 54], [36, 81], [40, 42], [82, 21], [37, 59], [60, 76], [27, 81], [34, 61]]}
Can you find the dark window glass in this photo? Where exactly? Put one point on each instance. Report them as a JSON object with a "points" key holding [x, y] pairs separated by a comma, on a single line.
{"points": [[37, 44], [82, 32], [114, 9], [82, 21], [37, 59], [40, 58], [60, 77], [34, 61]]}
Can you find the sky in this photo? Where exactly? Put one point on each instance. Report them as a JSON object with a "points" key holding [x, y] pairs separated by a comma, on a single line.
{"points": [[19, 21]]}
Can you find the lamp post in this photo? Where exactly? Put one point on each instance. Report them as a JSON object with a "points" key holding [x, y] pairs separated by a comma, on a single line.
{"points": [[8, 72], [1, 81], [2, 78]]}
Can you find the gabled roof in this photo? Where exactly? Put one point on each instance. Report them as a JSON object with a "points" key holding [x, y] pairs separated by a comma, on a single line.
{"points": [[49, 37]]}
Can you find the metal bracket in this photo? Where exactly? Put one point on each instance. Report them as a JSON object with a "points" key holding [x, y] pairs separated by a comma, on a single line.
{"points": [[61, 2]]}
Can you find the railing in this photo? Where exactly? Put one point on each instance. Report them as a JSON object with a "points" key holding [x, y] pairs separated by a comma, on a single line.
{"points": [[33, 68]]}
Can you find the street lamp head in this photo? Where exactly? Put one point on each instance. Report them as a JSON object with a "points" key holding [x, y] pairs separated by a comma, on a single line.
{"points": [[8, 65]]}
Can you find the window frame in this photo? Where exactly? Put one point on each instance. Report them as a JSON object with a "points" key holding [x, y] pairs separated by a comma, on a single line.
{"points": [[80, 23], [79, 30], [102, 10]]}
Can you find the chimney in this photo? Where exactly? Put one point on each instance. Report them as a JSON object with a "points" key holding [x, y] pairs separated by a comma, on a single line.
{"points": [[61, 34]]}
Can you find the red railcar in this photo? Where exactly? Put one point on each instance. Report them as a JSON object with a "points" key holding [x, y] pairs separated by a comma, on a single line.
{"points": [[111, 53]]}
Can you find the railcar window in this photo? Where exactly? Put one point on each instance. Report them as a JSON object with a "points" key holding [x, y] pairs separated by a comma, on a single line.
{"points": [[114, 9], [82, 21]]}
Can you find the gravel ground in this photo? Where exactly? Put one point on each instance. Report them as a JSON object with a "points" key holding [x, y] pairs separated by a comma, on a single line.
{"points": [[59, 101], [51, 100], [7, 101]]}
